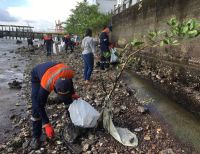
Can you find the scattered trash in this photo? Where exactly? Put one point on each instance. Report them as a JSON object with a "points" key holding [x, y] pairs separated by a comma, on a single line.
{"points": [[167, 151], [147, 137], [123, 107], [15, 84], [58, 142], [17, 104], [142, 109], [138, 129]]}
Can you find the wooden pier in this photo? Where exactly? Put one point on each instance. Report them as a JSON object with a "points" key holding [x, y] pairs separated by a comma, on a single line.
{"points": [[22, 32], [16, 31]]}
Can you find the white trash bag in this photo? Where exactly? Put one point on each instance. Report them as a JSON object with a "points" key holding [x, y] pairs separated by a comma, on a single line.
{"points": [[123, 135], [59, 48], [113, 57], [83, 114], [54, 49], [62, 44]]}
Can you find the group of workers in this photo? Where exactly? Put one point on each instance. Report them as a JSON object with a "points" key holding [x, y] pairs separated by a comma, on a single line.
{"points": [[67, 39], [57, 77]]}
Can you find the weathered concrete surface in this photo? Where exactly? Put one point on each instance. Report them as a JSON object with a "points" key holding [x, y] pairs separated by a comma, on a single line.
{"points": [[172, 65], [136, 21], [178, 80]]}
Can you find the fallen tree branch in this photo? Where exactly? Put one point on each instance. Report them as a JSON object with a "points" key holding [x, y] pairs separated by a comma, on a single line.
{"points": [[102, 84], [108, 97]]}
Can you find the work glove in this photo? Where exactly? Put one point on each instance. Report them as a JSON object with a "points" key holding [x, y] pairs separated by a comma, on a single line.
{"points": [[75, 96], [49, 130]]}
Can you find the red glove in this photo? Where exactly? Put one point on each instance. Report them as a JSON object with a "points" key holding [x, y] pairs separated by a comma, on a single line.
{"points": [[75, 96], [49, 130]]}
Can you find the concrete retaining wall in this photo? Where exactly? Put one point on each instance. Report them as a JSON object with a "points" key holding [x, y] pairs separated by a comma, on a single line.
{"points": [[137, 20], [173, 65]]}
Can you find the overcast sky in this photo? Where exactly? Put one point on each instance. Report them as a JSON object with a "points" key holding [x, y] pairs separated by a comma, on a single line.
{"points": [[38, 13]]}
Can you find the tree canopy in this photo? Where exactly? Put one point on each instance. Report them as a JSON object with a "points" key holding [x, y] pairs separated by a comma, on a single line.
{"points": [[86, 16]]}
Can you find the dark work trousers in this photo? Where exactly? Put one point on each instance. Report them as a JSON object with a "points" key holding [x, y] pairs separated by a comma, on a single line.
{"points": [[49, 49], [69, 45], [88, 65], [104, 61], [30, 42], [36, 121], [67, 107]]}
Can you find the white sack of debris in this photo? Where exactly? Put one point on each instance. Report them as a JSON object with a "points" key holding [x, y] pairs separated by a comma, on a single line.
{"points": [[54, 49], [83, 114], [123, 135]]}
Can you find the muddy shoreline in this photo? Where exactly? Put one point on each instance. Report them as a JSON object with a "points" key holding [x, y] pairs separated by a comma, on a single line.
{"points": [[153, 137], [11, 101]]}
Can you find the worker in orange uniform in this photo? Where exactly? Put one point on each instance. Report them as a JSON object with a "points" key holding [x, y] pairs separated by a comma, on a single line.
{"points": [[48, 41], [45, 78], [68, 43]]}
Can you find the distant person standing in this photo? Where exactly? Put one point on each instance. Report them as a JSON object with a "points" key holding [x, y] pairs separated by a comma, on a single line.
{"points": [[104, 47], [30, 41], [72, 43], [89, 51], [48, 41], [68, 43]]}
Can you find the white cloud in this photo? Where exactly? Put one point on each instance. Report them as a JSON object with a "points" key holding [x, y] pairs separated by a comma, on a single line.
{"points": [[44, 11], [5, 16]]}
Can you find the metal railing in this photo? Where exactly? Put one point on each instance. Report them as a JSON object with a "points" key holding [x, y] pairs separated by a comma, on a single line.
{"points": [[125, 5]]}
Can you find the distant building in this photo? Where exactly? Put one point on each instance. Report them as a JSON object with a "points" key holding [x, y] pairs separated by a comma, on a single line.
{"points": [[105, 6], [58, 27], [124, 4], [120, 2]]}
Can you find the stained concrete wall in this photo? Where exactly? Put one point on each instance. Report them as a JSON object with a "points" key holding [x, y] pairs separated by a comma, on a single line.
{"points": [[106, 6], [169, 66], [153, 15]]}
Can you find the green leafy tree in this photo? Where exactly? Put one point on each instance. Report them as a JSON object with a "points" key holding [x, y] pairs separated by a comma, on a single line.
{"points": [[86, 16]]}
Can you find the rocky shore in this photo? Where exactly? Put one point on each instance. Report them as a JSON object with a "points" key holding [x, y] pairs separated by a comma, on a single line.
{"points": [[153, 136]]}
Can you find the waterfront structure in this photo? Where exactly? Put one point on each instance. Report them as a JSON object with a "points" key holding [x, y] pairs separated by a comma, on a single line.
{"points": [[105, 6]]}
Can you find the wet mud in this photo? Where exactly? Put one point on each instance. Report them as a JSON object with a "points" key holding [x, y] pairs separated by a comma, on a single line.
{"points": [[12, 67]]}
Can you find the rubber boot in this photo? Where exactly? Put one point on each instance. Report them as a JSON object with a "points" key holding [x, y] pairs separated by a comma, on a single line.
{"points": [[71, 131], [35, 143]]}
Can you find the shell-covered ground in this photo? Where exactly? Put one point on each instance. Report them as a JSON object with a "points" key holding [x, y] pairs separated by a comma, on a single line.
{"points": [[153, 136]]}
